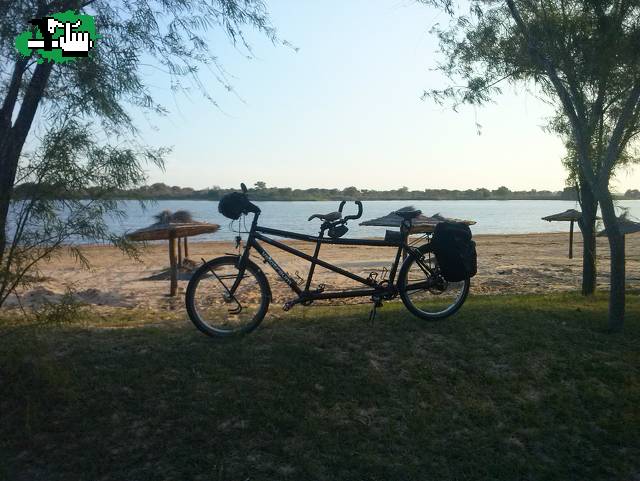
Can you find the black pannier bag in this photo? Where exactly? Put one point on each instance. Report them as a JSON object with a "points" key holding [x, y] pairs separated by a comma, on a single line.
{"points": [[455, 251]]}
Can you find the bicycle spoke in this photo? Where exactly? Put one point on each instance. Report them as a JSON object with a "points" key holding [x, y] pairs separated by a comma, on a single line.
{"points": [[229, 293], [427, 294], [223, 300]]}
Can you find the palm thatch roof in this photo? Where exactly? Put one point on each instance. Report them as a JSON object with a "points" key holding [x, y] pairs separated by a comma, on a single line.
{"points": [[394, 220], [442, 218], [627, 226], [177, 217], [566, 216], [177, 224], [420, 224], [163, 231], [182, 216]]}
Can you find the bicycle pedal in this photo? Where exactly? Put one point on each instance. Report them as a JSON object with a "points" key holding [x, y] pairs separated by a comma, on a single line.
{"points": [[287, 306]]}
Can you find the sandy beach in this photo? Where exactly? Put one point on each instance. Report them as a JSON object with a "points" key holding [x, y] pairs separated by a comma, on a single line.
{"points": [[507, 264]]}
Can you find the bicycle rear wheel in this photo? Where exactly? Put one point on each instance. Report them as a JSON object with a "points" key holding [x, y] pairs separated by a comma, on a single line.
{"points": [[423, 290], [222, 301]]}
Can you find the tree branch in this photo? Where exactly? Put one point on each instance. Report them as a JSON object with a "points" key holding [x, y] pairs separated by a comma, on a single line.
{"points": [[616, 144], [565, 98], [597, 108]]}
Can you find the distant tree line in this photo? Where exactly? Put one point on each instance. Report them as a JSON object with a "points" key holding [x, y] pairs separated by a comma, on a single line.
{"points": [[260, 191]]}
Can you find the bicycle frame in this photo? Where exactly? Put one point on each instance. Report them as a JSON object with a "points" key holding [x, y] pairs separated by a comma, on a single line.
{"points": [[385, 288]]}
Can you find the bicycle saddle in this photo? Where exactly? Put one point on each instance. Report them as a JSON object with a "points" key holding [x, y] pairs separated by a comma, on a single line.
{"points": [[331, 216], [408, 214]]}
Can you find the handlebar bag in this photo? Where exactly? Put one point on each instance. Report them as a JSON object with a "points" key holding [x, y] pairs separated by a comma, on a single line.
{"points": [[233, 205], [455, 251]]}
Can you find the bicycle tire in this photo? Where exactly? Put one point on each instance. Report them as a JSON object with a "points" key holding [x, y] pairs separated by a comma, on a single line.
{"points": [[208, 267], [406, 298]]}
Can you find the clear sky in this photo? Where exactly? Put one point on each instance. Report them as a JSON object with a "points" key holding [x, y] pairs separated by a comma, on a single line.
{"points": [[345, 110]]}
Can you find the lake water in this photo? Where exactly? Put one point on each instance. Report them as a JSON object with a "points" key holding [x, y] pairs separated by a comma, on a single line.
{"points": [[492, 217]]}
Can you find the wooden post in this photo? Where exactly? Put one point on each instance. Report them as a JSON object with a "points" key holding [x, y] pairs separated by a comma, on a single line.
{"points": [[179, 252], [186, 248], [571, 241], [173, 267]]}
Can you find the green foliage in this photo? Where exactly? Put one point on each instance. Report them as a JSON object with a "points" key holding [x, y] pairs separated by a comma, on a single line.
{"points": [[51, 219], [139, 38], [160, 191], [67, 310], [632, 194], [580, 56], [501, 191], [86, 150]]}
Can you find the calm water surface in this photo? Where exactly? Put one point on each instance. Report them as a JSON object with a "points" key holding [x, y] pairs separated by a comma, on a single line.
{"points": [[492, 217]]}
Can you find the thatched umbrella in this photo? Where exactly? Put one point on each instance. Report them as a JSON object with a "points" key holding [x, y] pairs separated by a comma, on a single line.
{"points": [[420, 224], [569, 215], [627, 226], [441, 218], [177, 217], [169, 227]]}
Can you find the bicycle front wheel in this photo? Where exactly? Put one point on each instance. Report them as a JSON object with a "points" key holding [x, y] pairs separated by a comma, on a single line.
{"points": [[423, 290], [224, 300]]}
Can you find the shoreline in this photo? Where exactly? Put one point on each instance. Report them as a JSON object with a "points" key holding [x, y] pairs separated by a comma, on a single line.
{"points": [[507, 264], [194, 241], [616, 197]]}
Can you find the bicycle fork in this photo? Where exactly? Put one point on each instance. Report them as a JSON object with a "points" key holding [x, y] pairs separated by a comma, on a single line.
{"points": [[229, 295]]}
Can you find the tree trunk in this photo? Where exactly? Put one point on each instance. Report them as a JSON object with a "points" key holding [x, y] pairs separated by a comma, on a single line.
{"points": [[616, 247], [8, 165], [12, 141], [589, 269], [587, 225]]}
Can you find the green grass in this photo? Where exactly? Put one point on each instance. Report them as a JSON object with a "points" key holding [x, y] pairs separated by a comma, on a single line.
{"points": [[510, 388]]}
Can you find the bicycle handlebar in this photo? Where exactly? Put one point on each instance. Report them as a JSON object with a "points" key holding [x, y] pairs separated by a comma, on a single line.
{"points": [[351, 217]]}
